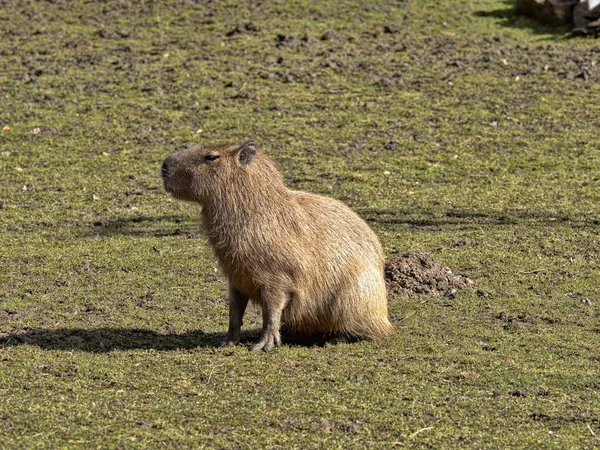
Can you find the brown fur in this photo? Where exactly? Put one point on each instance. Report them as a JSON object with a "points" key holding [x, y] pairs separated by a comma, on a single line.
{"points": [[308, 261]]}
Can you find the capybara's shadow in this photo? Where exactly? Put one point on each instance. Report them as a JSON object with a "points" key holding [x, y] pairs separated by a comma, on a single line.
{"points": [[104, 340]]}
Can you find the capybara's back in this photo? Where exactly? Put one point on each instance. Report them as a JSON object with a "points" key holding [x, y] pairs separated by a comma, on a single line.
{"points": [[310, 262], [341, 289]]}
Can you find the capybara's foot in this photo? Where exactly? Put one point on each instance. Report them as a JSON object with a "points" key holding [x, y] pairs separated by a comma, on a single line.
{"points": [[228, 343], [268, 341]]}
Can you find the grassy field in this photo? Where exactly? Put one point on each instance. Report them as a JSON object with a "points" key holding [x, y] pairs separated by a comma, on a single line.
{"points": [[450, 126]]}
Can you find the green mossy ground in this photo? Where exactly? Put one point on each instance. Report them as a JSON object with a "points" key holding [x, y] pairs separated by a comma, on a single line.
{"points": [[450, 126]]}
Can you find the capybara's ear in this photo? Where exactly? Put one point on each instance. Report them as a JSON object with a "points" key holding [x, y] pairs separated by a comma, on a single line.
{"points": [[246, 153]]}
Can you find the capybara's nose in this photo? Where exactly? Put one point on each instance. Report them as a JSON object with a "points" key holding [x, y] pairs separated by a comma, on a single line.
{"points": [[164, 170]]}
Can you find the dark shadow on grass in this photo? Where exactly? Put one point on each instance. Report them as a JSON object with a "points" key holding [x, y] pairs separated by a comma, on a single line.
{"points": [[509, 18], [104, 340], [462, 217], [158, 226], [171, 225]]}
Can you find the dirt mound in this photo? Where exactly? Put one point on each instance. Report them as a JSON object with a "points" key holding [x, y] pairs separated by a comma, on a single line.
{"points": [[416, 273]]}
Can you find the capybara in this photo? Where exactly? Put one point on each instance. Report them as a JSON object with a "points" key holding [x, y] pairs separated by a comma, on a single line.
{"points": [[312, 264]]}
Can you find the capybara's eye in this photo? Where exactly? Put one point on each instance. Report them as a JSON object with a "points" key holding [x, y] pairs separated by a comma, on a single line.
{"points": [[211, 157]]}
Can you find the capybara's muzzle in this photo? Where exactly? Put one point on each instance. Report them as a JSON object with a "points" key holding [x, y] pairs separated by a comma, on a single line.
{"points": [[164, 170]]}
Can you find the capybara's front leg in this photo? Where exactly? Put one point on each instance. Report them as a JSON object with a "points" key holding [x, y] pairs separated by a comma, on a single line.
{"points": [[237, 306], [272, 302]]}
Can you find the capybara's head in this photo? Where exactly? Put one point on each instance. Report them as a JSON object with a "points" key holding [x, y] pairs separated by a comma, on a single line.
{"points": [[201, 172]]}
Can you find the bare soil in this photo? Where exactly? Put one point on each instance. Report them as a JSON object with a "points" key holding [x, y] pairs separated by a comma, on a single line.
{"points": [[415, 273]]}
